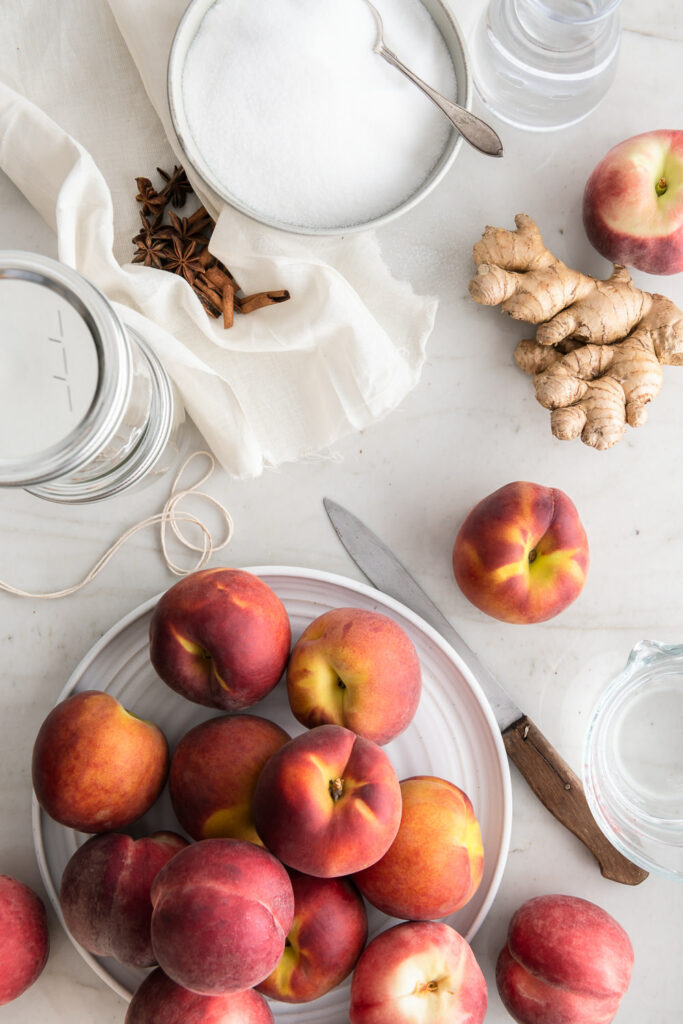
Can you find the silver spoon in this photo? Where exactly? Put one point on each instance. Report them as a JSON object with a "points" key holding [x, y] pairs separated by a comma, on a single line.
{"points": [[472, 128]]}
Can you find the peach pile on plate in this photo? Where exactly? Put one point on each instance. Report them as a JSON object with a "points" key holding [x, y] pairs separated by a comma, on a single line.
{"points": [[288, 835]]}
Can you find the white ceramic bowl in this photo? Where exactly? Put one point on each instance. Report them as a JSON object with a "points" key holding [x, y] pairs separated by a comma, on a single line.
{"points": [[185, 33]]}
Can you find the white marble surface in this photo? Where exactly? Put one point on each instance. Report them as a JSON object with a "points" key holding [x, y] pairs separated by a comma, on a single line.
{"points": [[471, 425]]}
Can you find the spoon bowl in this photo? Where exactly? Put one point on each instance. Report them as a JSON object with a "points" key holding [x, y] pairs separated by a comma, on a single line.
{"points": [[475, 131]]}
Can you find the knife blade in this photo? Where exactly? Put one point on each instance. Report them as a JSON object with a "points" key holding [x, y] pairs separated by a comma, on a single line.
{"points": [[552, 780], [389, 575]]}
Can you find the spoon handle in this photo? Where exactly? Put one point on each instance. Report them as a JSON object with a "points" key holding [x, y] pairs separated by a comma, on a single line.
{"points": [[472, 128]]}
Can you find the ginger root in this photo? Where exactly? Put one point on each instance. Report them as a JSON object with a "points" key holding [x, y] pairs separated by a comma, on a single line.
{"points": [[600, 345]]}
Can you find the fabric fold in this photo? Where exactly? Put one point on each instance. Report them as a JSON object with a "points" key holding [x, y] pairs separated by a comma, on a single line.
{"points": [[284, 382]]}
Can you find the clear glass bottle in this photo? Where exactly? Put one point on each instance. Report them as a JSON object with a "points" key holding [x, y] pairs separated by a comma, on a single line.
{"points": [[545, 64], [86, 408]]}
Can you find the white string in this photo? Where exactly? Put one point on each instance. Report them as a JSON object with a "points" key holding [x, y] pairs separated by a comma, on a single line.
{"points": [[167, 517]]}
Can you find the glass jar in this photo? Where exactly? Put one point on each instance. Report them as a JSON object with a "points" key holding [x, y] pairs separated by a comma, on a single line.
{"points": [[545, 64], [86, 408], [633, 759]]}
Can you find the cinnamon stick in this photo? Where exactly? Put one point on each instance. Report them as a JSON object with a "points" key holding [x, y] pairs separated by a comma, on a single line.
{"points": [[228, 304], [259, 300]]}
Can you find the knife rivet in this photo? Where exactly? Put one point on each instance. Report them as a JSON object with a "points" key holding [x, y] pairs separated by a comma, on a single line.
{"points": [[567, 785], [526, 732]]}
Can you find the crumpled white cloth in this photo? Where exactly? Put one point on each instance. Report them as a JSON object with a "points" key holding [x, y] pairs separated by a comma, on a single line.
{"points": [[283, 383]]}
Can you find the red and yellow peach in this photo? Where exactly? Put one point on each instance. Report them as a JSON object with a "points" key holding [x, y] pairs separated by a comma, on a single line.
{"points": [[24, 938], [96, 767], [633, 203], [358, 669], [220, 637], [222, 910], [327, 936], [521, 554], [105, 893], [415, 972], [159, 1000], [328, 803], [214, 770], [566, 961], [435, 863]]}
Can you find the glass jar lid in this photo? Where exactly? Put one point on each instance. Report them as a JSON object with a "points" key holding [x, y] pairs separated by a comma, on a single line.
{"points": [[65, 369]]}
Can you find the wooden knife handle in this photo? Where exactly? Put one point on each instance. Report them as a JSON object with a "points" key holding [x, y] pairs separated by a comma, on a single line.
{"points": [[561, 791]]}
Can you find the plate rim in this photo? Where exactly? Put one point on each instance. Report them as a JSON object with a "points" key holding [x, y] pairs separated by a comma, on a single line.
{"points": [[319, 575]]}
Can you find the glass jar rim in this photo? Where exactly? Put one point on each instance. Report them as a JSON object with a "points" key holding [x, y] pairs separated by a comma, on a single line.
{"points": [[144, 456], [114, 362], [545, 8]]}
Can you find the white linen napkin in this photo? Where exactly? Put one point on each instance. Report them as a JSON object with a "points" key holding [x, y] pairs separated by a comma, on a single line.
{"points": [[283, 383]]}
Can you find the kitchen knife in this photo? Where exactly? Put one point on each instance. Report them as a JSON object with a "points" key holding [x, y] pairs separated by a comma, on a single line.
{"points": [[550, 777]]}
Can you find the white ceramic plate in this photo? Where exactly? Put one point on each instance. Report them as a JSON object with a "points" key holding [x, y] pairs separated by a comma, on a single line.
{"points": [[453, 735]]}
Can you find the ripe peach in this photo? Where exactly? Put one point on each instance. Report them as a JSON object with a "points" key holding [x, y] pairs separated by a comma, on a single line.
{"points": [[521, 554], [355, 668], [24, 938], [435, 863], [222, 910], [633, 203], [105, 893], [220, 637], [326, 938], [213, 774], [566, 961], [416, 972], [96, 767], [328, 803], [159, 1000]]}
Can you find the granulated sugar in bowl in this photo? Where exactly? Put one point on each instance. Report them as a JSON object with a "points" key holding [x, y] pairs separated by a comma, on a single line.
{"points": [[283, 109]]}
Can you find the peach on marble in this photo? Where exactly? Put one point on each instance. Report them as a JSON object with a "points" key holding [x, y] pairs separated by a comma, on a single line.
{"points": [[633, 203], [566, 961], [24, 938], [521, 555]]}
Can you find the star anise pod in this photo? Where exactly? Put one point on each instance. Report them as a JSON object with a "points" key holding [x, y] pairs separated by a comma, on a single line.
{"points": [[177, 187], [153, 202], [152, 252], [181, 247], [149, 228], [184, 259], [187, 229]]}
